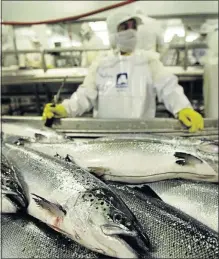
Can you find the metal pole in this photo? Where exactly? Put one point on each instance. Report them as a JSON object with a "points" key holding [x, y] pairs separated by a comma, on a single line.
{"points": [[44, 61], [186, 51], [15, 45]]}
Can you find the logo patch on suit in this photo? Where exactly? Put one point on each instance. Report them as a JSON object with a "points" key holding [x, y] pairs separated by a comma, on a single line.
{"points": [[122, 80]]}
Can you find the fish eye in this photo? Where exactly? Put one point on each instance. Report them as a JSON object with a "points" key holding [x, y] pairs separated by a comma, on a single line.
{"points": [[117, 217], [122, 219]]}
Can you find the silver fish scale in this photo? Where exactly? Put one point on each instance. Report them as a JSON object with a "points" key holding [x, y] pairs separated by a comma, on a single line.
{"points": [[25, 237], [150, 146], [199, 200], [180, 140], [121, 146], [172, 233], [57, 174]]}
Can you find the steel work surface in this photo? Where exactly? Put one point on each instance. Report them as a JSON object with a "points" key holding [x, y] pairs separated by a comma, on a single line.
{"points": [[89, 127]]}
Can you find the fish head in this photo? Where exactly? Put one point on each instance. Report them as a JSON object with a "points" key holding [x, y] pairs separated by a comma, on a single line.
{"points": [[111, 228], [209, 147]]}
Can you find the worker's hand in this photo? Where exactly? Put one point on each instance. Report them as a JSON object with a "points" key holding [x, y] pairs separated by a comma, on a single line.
{"points": [[191, 119], [57, 112]]}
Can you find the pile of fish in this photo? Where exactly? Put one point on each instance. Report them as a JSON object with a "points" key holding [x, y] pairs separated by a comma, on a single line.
{"points": [[124, 197]]}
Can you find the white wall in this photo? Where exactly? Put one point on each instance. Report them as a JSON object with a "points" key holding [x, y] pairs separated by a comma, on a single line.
{"points": [[45, 10]]}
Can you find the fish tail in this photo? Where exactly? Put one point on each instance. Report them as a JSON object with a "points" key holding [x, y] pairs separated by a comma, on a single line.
{"points": [[11, 187]]}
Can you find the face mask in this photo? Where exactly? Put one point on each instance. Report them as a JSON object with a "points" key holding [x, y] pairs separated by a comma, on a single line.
{"points": [[126, 40]]}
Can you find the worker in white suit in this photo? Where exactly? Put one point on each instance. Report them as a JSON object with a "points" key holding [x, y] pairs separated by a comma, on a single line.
{"points": [[124, 84], [90, 41]]}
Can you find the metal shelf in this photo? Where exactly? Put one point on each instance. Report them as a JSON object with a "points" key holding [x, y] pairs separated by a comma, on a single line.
{"points": [[53, 50], [43, 52], [190, 45], [77, 75]]}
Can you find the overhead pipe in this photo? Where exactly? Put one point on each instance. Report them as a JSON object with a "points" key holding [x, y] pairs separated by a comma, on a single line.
{"points": [[72, 18]]}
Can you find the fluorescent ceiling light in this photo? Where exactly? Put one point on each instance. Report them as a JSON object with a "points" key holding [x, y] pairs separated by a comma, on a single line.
{"points": [[104, 37], [170, 32], [98, 26], [76, 43], [173, 22], [191, 38], [24, 32]]}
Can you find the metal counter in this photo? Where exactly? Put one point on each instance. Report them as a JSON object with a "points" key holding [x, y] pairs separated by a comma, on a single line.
{"points": [[90, 127]]}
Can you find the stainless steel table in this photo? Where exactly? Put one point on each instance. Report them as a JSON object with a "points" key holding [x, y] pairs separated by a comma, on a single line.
{"points": [[91, 127]]}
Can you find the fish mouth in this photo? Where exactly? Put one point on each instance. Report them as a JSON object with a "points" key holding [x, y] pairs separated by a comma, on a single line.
{"points": [[136, 240], [210, 147], [135, 243], [132, 237]]}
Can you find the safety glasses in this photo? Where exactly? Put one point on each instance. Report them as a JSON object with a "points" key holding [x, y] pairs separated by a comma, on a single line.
{"points": [[129, 24]]}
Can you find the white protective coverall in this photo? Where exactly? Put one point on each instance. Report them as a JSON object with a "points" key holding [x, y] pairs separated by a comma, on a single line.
{"points": [[92, 42], [119, 86]]}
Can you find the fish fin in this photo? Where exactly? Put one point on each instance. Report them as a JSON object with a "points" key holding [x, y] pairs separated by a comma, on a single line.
{"points": [[69, 158], [39, 136], [187, 159], [8, 192], [22, 141], [181, 162], [19, 202], [98, 171], [10, 185], [17, 140], [54, 208], [58, 156], [146, 190]]}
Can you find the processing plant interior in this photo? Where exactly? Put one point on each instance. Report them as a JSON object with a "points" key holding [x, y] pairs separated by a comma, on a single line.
{"points": [[109, 129]]}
